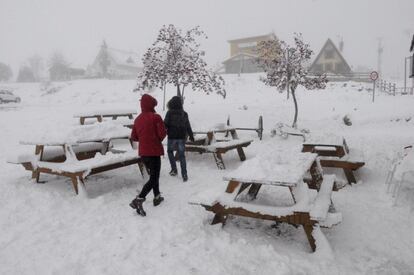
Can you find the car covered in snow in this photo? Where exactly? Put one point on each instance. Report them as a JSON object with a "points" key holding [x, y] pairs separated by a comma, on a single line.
{"points": [[8, 96]]}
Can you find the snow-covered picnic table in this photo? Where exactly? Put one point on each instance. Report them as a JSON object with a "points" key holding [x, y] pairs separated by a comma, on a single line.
{"points": [[335, 153], [77, 152], [208, 143], [100, 114], [277, 169]]}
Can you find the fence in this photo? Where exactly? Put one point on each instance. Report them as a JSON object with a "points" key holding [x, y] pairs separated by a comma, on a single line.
{"points": [[391, 89]]}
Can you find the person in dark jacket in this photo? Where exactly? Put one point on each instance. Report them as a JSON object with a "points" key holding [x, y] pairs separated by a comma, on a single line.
{"points": [[178, 128], [149, 131]]}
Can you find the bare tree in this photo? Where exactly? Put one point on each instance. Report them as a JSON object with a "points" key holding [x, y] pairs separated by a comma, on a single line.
{"points": [[5, 72], [284, 66], [36, 65], [176, 58], [58, 67]]}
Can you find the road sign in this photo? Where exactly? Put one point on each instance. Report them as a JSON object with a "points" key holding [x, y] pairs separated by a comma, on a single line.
{"points": [[373, 75]]}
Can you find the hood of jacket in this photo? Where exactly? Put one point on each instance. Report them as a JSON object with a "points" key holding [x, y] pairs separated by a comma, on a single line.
{"points": [[175, 103], [148, 103]]}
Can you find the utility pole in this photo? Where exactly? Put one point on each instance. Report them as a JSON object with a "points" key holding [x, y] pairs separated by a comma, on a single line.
{"points": [[379, 60]]}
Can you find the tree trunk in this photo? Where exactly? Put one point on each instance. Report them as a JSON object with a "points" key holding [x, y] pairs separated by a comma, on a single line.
{"points": [[296, 107], [178, 89], [182, 95], [163, 104]]}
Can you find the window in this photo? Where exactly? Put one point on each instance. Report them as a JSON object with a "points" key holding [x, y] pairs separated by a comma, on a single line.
{"points": [[328, 67], [247, 44], [329, 53], [317, 68]]}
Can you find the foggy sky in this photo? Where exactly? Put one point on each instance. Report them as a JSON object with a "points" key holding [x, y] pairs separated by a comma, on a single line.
{"points": [[76, 28]]}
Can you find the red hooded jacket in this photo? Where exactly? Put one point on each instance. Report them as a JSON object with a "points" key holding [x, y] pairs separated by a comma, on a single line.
{"points": [[149, 129]]}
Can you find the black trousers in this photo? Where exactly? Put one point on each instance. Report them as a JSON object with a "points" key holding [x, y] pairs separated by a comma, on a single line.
{"points": [[153, 164]]}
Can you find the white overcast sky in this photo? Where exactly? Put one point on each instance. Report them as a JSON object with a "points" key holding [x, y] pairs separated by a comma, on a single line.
{"points": [[76, 28]]}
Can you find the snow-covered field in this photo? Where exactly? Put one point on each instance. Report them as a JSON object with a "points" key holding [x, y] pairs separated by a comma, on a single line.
{"points": [[46, 229]]}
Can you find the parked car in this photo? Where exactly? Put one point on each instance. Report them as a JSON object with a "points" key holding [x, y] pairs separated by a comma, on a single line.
{"points": [[8, 96]]}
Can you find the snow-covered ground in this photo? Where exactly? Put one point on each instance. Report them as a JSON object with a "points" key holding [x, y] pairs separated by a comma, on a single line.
{"points": [[46, 229]]}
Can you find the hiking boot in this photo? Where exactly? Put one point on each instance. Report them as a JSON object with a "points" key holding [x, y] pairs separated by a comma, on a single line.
{"points": [[173, 172], [157, 200], [133, 203], [185, 178], [137, 204]]}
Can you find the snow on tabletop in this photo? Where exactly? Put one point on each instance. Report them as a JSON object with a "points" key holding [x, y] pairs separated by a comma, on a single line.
{"points": [[97, 112], [63, 134], [325, 138], [277, 165], [86, 165]]}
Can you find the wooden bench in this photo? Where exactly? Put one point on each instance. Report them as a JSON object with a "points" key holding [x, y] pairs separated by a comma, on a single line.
{"points": [[335, 153], [99, 115], [305, 211], [209, 144]]}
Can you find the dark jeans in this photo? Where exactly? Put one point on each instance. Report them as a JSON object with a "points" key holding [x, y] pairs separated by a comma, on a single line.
{"points": [[179, 145], [153, 164]]}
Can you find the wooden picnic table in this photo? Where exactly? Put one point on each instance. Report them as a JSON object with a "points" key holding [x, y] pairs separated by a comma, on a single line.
{"points": [[304, 211], [335, 153], [100, 114], [76, 156], [209, 144]]}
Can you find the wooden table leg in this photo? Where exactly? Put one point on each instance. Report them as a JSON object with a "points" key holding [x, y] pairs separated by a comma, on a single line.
{"points": [[316, 175], [254, 190], [240, 151], [349, 176], [308, 230], [219, 160], [234, 134], [38, 152], [75, 183]]}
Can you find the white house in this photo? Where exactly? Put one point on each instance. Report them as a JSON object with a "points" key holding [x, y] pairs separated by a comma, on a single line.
{"points": [[114, 63]]}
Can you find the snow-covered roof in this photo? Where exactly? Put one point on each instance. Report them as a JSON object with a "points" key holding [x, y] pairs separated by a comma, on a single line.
{"points": [[236, 56], [258, 37], [125, 58]]}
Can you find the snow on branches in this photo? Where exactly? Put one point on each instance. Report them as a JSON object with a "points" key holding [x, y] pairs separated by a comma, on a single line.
{"points": [[176, 58], [284, 66]]}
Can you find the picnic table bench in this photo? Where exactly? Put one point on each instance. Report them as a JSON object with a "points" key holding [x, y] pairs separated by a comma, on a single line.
{"points": [[100, 114], [79, 157], [306, 211], [335, 153], [209, 144]]}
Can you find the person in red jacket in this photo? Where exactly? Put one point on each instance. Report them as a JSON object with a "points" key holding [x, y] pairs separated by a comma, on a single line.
{"points": [[149, 131]]}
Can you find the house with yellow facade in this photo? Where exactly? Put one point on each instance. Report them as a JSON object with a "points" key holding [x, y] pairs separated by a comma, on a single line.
{"points": [[243, 54]]}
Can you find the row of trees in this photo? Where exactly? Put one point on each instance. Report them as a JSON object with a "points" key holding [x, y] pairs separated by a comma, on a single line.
{"points": [[34, 69], [175, 58]]}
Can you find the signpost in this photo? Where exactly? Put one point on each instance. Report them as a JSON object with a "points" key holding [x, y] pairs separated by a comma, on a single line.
{"points": [[374, 76]]}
